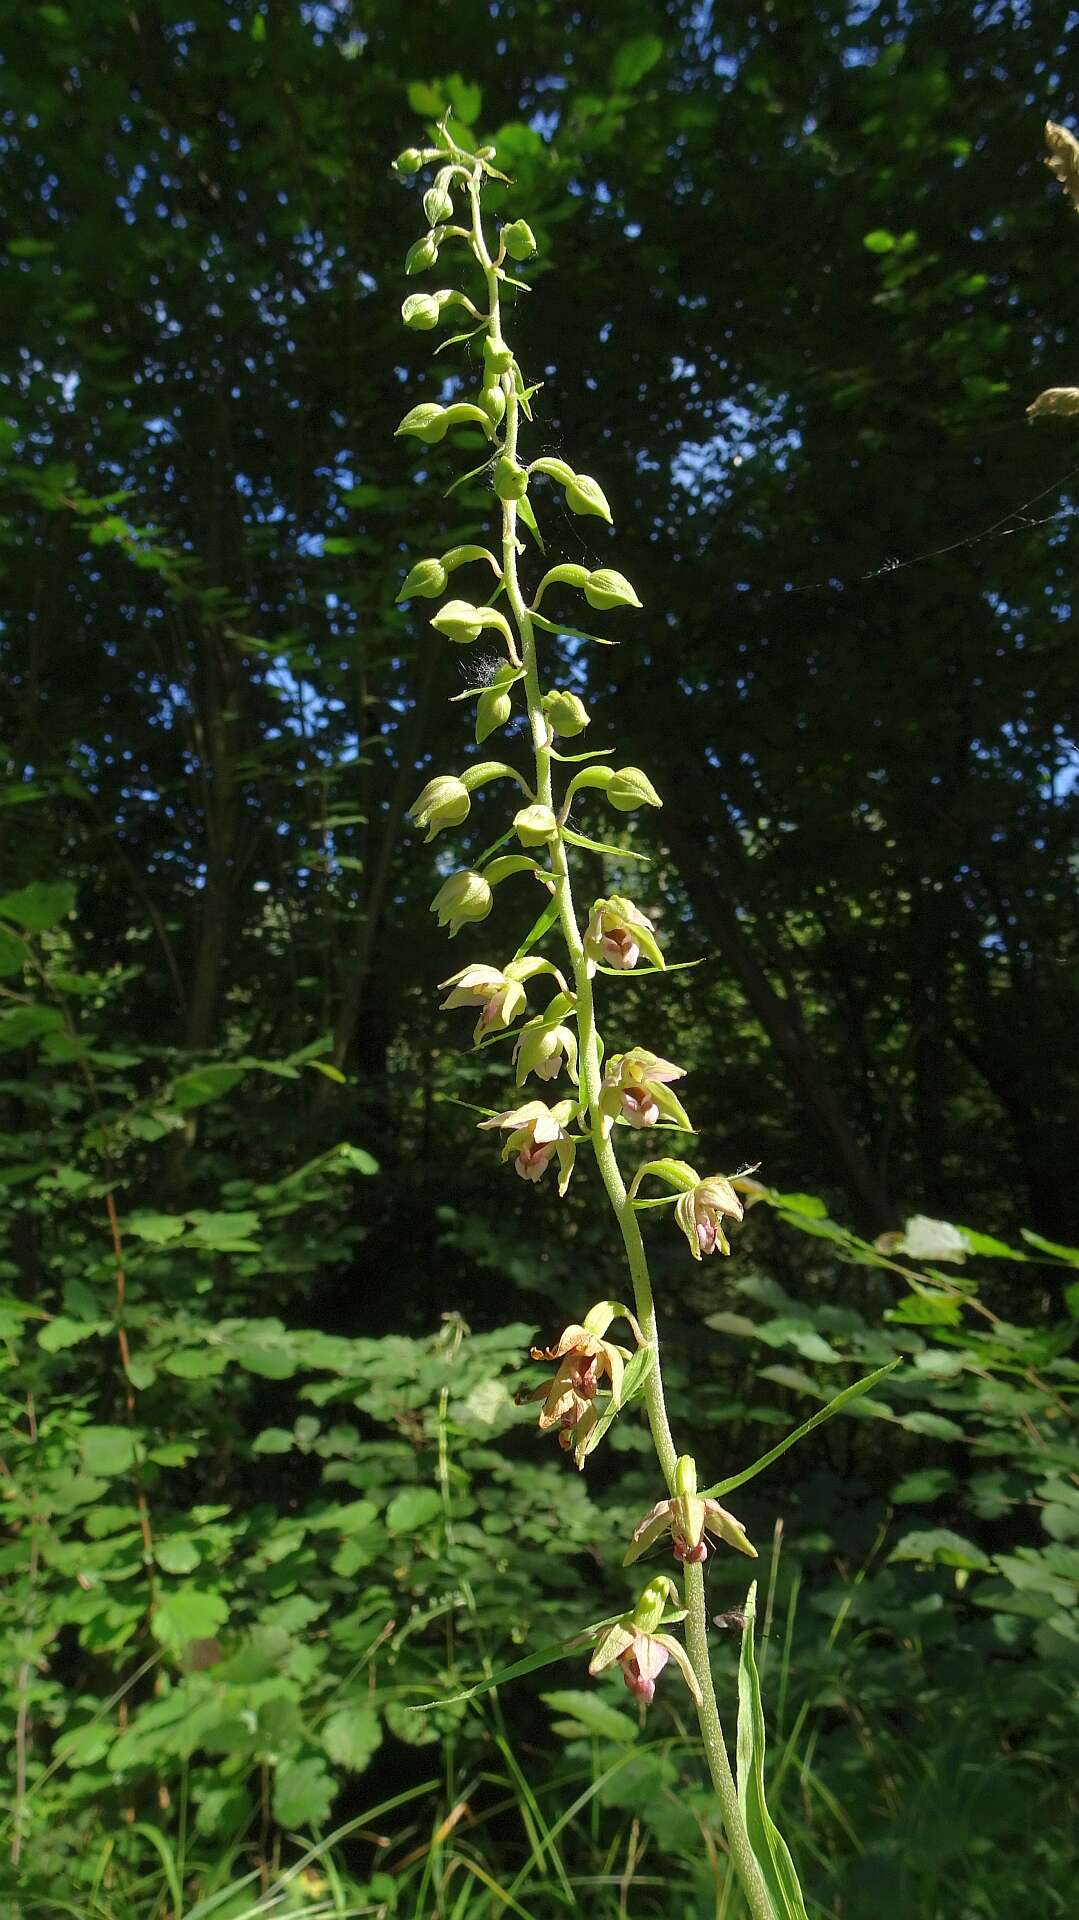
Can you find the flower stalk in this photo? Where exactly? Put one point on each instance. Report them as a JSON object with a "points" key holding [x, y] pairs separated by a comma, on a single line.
{"points": [[613, 935]]}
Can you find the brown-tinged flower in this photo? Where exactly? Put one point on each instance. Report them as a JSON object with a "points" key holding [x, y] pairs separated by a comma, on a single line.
{"points": [[700, 1214], [536, 1133], [636, 1088], [688, 1516]]}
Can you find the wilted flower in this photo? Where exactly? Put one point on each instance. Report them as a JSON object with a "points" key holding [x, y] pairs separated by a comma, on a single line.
{"points": [[499, 996], [584, 1357], [463, 898], [700, 1213], [641, 1650], [618, 933], [536, 1132], [636, 1089], [687, 1517]]}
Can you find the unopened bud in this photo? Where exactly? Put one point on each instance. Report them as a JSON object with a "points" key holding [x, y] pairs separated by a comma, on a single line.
{"points": [[606, 588], [534, 825], [465, 897], [511, 481], [426, 581], [421, 254], [498, 358], [519, 240], [585, 495], [420, 312], [410, 161], [493, 402], [437, 205], [566, 713], [444, 802], [629, 789], [493, 709], [427, 421]]}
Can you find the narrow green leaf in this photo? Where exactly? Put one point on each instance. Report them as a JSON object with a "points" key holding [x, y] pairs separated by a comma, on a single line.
{"points": [[571, 633], [600, 846], [536, 932], [769, 1847], [526, 514], [817, 1420], [532, 1663]]}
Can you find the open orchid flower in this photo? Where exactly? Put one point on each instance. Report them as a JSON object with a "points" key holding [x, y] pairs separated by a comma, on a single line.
{"points": [[636, 1089], [618, 933], [585, 1358], [536, 1134], [641, 1649], [688, 1518], [700, 1214]]}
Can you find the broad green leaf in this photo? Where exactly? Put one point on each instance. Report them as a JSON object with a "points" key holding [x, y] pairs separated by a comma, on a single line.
{"points": [[926, 1483], [940, 1547], [203, 1085], [21, 1026], [196, 1363], [590, 1713], [178, 1555], [225, 1232], [303, 1794], [13, 954], [634, 59], [770, 1850], [158, 1228], [816, 1420], [416, 1507], [189, 1613], [351, 1736], [274, 1440], [39, 906], [62, 1332], [107, 1450]]}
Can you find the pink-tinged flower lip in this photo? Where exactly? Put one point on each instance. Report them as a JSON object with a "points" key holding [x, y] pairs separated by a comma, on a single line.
{"points": [[535, 1133], [619, 949], [688, 1518]]}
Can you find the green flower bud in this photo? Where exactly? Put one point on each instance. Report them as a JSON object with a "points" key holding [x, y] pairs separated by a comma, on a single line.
{"points": [[428, 422], [426, 581], [630, 789], [567, 713], [410, 161], [585, 495], [493, 402], [519, 240], [421, 312], [465, 897], [511, 481], [444, 802], [421, 254], [606, 588], [652, 1604], [461, 622], [535, 825], [493, 709], [485, 153], [498, 358], [437, 205]]}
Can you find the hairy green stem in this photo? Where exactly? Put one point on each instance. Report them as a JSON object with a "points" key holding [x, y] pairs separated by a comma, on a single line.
{"points": [[719, 1765]]}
